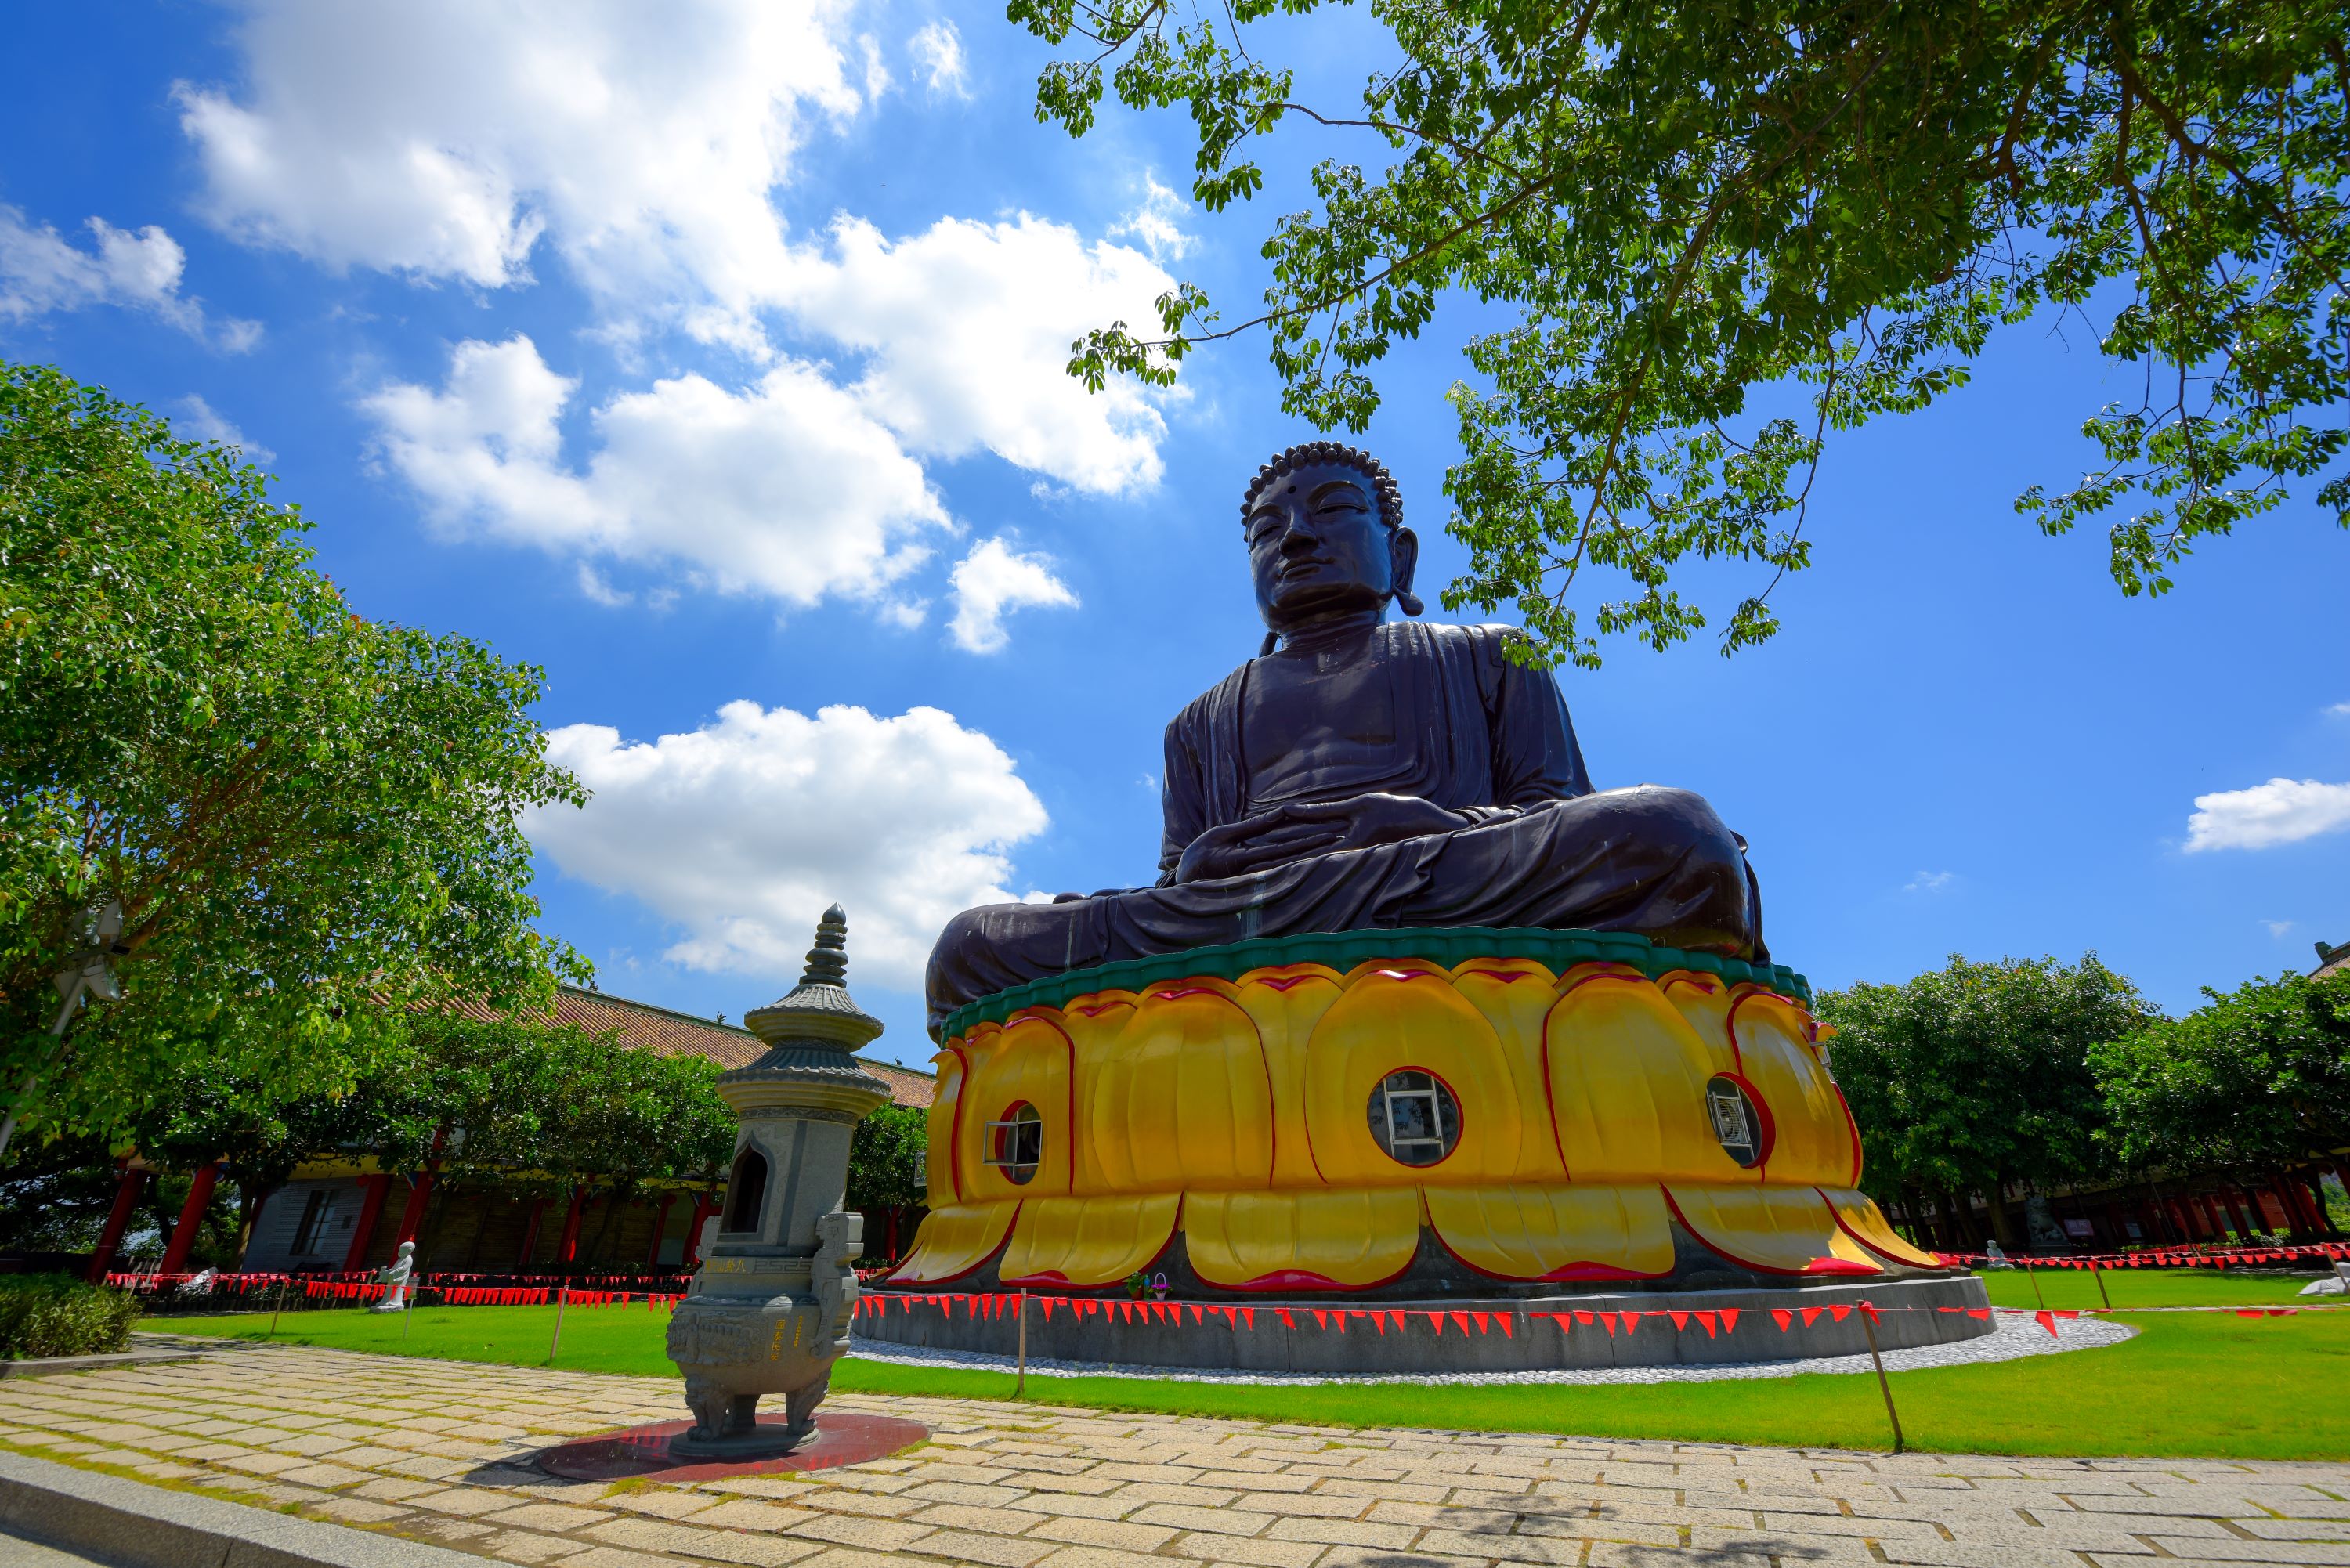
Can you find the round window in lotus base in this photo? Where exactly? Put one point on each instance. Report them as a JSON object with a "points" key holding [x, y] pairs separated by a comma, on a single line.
{"points": [[1739, 1124], [1414, 1117], [1016, 1144]]}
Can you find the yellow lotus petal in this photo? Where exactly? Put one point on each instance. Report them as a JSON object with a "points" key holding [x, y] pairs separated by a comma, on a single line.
{"points": [[1309, 1241], [1628, 1077], [1865, 1222], [1086, 1241], [1812, 1140], [1770, 1230], [953, 1242], [1555, 1233]]}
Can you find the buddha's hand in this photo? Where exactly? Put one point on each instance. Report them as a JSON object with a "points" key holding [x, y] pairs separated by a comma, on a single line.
{"points": [[1301, 831]]}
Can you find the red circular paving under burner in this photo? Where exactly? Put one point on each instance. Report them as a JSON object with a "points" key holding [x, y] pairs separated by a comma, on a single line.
{"points": [[840, 1439]]}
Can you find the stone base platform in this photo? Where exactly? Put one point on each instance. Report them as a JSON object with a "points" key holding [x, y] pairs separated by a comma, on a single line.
{"points": [[648, 1451], [1312, 1339]]}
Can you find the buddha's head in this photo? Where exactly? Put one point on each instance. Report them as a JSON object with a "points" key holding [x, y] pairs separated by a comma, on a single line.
{"points": [[1326, 537]]}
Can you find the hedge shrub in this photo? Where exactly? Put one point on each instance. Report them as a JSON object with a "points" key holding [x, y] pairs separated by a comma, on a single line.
{"points": [[53, 1314]]}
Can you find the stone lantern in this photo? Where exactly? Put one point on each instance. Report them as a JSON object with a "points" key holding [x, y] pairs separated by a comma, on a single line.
{"points": [[768, 1310]]}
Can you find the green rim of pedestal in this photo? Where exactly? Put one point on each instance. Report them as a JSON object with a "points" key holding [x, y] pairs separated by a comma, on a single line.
{"points": [[1342, 950]]}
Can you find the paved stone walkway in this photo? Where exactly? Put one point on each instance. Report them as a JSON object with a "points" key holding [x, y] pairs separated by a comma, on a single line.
{"points": [[440, 1450]]}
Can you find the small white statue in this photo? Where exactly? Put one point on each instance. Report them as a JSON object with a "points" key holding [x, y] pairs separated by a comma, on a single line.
{"points": [[396, 1278], [1997, 1258]]}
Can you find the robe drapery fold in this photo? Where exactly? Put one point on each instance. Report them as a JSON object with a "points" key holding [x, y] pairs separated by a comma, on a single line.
{"points": [[1476, 735]]}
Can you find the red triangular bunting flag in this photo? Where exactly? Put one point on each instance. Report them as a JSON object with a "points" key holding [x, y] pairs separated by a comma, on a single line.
{"points": [[1250, 1314], [1784, 1318], [1730, 1318], [1436, 1319], [1706, 1320], [1680, 1319], [1461, 1321], [1503, 1319], [1839, 1313], [2048, 1322], [1811, 1315], [1484, 1321], [1583, 1317], [1286, 1320]]}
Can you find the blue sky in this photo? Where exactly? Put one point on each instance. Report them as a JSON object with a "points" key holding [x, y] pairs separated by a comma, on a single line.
{"points": [[709, 358]]}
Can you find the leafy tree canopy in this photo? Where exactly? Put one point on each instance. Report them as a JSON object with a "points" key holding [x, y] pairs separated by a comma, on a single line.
{"points": [[519, 1101], [886, 1161], [2252, 1082], [1976, 1075], [1683, 203], [310, 819]]}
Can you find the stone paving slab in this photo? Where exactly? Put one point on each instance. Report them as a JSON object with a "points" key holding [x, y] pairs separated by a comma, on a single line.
{"points": [[441, 1451]]}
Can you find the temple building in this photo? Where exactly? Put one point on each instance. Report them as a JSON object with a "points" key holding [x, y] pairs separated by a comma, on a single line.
{"points": [[349, 1214]]}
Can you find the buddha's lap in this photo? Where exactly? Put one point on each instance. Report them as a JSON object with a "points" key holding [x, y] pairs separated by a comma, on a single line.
{"points": [[1652, 861]]}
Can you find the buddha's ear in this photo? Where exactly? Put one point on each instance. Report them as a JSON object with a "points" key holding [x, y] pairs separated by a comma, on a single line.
{"points": [[1404, 551]]}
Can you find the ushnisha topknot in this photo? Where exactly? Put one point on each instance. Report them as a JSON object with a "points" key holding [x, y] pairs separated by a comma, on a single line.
{"points": [[1383, 483]]}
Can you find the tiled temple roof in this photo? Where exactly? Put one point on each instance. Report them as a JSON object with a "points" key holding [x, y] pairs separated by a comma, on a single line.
{"points": [[669, 1034]]}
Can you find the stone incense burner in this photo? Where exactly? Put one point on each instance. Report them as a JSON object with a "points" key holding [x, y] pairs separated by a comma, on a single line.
{"points": [[768, 1310]]}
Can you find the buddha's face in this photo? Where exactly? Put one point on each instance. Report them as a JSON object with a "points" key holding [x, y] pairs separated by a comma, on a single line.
{"points": [[1317, 547]]}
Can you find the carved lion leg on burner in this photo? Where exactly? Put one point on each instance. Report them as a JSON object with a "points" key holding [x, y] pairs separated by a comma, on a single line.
{"points": [[712, 1406], [799, 1408]]}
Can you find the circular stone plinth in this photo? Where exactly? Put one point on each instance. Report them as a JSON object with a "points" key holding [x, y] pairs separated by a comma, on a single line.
{"points": [[839, 1440], [1326, 1335]]}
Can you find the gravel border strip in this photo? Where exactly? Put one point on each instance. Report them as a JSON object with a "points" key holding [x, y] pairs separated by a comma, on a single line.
{"points": [[2014, 1335]]}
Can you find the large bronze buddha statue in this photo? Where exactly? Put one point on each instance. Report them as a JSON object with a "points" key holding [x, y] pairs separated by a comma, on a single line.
{"points": [[1361, 773], [1412, 1015]]}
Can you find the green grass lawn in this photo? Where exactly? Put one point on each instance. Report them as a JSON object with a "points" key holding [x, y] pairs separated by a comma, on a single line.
{"points": [[2189, 1385]]}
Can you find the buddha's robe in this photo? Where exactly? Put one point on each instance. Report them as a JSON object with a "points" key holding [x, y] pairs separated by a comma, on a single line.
{"points": [[1435, 711]]}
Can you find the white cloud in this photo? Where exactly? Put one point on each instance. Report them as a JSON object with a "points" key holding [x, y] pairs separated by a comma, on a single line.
{"points": [[1929, 882], [41, 271], [196, 418], [937, 49], [967, 327], [742, 832], [993, 581], [444, 138], [2278, 927], [2339, 710], [2278, 812], [787, 488], [1157, 225]]}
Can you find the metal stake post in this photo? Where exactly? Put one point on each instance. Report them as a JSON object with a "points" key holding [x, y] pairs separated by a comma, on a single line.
{"points": [[1868, 1326], [2035, 1282], [2099, 1275], [280, 1307], [1020, 1385], [562, 1294]]}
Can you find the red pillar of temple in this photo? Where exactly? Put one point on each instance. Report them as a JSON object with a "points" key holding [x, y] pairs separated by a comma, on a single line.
{"points": [[117, 1219], [568, 1248], [530, 1233], [660, 1225], [704, 1206], [372, 1190], [419, 1193], [191, 1219]]}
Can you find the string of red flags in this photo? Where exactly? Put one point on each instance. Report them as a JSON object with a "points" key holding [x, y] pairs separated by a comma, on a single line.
{"points": [[1715, 1323], [2159, 1257]]}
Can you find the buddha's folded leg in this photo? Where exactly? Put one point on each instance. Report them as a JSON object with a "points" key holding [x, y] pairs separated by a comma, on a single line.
{"points": [[1652, 860]]}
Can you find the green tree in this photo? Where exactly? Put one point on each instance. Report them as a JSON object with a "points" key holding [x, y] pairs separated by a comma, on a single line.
{"points": [[310, 819], [1686, 205], [2254, 1083], [516, 1104], [1975, 1077], [886, 1165]]}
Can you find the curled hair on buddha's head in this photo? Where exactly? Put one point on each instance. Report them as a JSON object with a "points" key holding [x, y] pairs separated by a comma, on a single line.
{"points": [[1338, 455]]}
